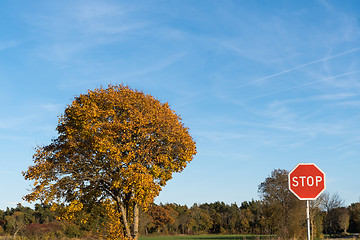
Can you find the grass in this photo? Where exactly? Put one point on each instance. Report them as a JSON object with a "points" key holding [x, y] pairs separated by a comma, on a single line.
{"points": [[209, 237]]}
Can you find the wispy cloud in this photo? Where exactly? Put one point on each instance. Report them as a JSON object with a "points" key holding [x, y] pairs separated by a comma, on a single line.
{"points": [[52, 107], [218, 136], [8, 44], [303, 85], [13, 122], [71, 30], [349, 103], [302, 66], [156, 65]]}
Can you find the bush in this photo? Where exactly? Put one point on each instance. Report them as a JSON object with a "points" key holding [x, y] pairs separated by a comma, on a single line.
{"points": [[51, 230], [72, 230]]}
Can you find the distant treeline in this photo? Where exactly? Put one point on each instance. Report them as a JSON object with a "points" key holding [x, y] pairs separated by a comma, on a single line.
{"points": [[253, 217], [278, 212], [250, 217]]}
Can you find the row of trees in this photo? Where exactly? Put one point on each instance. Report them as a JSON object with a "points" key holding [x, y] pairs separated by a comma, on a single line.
{"points": [[253, 217], [328, 216]]}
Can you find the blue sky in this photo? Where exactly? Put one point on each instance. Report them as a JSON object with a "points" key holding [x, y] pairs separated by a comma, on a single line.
{"points": [[261, 84]]}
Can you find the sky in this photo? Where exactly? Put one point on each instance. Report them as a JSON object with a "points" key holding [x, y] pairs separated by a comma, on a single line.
{"points": [[261, 85]]}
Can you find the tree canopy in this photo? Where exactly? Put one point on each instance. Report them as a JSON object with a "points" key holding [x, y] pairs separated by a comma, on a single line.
{"points": [[285, 211], [115, 146]]}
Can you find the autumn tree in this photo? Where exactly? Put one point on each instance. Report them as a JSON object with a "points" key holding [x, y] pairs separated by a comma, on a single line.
{"points": [[16, 219], [161, 216], [284, 212], [330, 202], [115, 146], [340, 218], [201, 219], [254, 216], [354, 211]]}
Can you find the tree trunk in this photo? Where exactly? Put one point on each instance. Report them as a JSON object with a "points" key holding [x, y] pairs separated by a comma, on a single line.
{"points": [[17, 230], [136, 222], [126, 224]]}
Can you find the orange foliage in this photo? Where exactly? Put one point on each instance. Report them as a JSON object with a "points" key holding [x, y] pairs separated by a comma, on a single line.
{"points": [[115, 143]]}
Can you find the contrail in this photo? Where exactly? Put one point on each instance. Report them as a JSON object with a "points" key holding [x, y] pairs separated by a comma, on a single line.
{"points": [[303, 85], [303, 65]]}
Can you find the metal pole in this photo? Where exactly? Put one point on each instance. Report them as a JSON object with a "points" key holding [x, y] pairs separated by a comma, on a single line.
{"points": [[308, 219]]}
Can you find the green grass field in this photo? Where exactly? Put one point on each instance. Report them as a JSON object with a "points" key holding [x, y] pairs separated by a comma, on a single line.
{"points": [[210, 237]]}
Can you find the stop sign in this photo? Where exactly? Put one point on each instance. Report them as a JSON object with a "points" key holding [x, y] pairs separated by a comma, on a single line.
{"points": [[306, 181]]}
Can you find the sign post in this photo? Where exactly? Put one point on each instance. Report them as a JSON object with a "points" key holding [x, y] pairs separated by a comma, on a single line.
{"points": [[307, 182], [308, 218]]}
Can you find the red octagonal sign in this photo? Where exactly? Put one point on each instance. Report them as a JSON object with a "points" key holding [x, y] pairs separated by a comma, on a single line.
{"points": [[306, 181]]}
